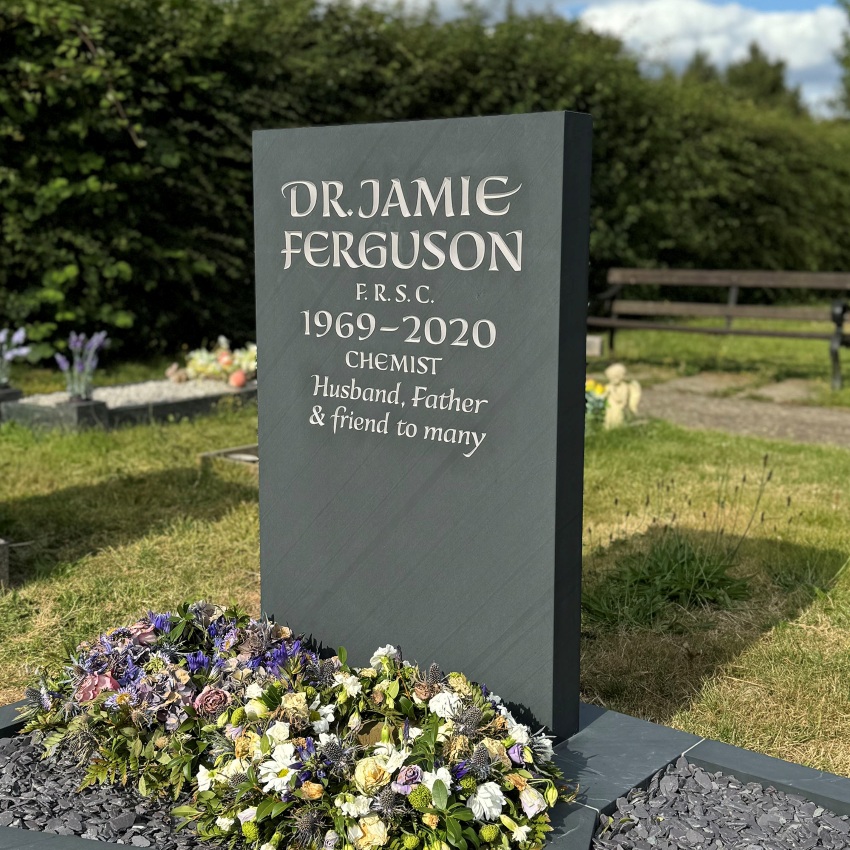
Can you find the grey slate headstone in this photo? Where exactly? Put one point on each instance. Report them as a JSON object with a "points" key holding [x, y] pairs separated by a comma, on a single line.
{"points": [[440, 508]]}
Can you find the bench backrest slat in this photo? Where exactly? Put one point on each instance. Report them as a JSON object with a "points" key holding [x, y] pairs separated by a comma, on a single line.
{"points": [[836, 281], [626, 307]]}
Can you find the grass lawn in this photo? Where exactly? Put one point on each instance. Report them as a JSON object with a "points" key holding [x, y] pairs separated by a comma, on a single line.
{"points": [[124, 521]]}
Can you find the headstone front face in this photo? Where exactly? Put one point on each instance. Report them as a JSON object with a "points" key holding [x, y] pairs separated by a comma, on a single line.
{"points": [[421, 294]]}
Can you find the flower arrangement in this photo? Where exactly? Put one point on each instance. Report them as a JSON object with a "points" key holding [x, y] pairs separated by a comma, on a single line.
{"points": [[594, 403], [287, 749], [223, 364], [134, 701], [11, 348], [80, 369]]}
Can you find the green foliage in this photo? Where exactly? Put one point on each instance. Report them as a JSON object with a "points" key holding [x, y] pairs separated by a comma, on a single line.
{"points": [[674, 572], [844, 59], [125, 178], [761, 81]]}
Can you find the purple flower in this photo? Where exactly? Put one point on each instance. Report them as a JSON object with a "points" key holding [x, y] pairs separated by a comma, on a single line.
{"points": [[515, 754], [18, 337], [76, 341], [161, 622], [62, 362], [408, 778], [197, 661]]}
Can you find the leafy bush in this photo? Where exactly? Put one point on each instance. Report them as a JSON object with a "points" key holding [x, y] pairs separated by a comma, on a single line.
{"points": [[125, 177]]}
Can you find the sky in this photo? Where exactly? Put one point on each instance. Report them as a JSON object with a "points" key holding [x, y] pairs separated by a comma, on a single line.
{"points": [[804, 33]]}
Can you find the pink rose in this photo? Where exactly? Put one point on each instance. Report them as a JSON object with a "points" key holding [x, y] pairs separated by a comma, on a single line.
{"points": [[143, 633], [211, 701], [94, 684]]}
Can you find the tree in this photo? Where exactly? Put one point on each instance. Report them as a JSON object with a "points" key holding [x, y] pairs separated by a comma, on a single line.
{"points": [[844, 60], [758, 79], [700, 69]]}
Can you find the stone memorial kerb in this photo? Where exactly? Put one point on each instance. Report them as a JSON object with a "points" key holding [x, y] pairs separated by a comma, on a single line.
{"points": [[421, 296]]}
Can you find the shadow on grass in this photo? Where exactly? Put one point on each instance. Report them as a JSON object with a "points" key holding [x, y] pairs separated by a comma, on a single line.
{"points": [[654, 671], [65, 526]]}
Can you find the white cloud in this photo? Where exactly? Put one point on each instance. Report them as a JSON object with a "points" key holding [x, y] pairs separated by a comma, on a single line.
{"points": [[671, 31]]}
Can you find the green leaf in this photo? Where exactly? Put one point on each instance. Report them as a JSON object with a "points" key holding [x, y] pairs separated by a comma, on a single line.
{"points": [[439, 795], [342, 654], [454, 832], [185, 812]]}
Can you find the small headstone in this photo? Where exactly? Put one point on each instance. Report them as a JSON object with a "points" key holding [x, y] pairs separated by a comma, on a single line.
{"points": [[421, 295]]}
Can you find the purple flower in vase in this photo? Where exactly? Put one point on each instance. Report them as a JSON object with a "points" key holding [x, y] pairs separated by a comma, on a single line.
{"points": [[76, 342], [62, 362]]}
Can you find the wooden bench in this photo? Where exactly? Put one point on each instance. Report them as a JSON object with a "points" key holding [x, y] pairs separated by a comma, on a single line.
{"points": [[617, 312]]}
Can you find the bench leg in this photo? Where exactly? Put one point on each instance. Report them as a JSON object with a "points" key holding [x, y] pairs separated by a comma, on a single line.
{"points": [[611, 332], [834, 348]]}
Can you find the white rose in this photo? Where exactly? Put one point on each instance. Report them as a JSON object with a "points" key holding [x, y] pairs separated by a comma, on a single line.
{"points": [[519, 733], [278, 732], [388, 651], [225, 824], [353, 806], [254, 691], [350, 684], [444, 704], [487, 801], [442, 773]]}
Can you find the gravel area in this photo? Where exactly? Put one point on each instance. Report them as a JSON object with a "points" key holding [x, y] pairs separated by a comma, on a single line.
{"points": [[145, 392], [42, 795], [685, 808], [795, 422]]}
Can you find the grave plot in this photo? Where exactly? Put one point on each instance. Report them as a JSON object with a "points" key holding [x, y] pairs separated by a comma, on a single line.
{"points": [[127, 404], [421, 293]]}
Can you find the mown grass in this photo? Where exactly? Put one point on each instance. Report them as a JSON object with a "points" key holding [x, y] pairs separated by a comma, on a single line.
{"points": [[125, 520], [765, 359], [119, 522], [771, 671]]}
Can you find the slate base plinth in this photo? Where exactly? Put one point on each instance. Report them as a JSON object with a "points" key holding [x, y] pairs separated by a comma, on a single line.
{"points": [[69, 416], [75, 415], [9, 395], [609, 755]]}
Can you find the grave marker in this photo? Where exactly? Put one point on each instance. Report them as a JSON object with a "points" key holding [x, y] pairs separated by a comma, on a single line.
{"points": [[421, 295]]}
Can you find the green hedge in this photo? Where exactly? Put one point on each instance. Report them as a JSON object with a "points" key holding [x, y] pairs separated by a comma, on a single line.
{"points": [[125, 177]]}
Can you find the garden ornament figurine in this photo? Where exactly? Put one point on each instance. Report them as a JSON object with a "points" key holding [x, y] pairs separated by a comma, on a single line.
{"points": [[622, 397]]}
